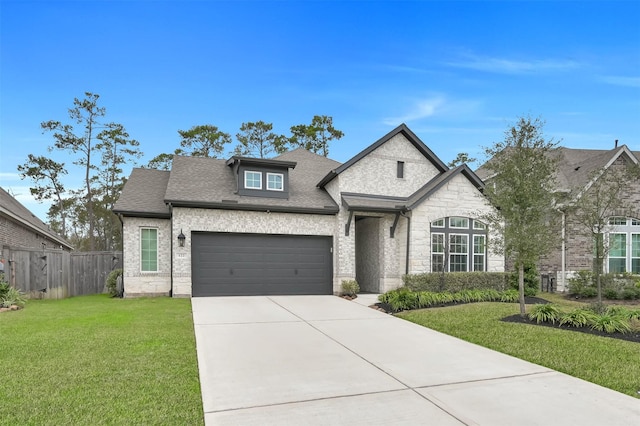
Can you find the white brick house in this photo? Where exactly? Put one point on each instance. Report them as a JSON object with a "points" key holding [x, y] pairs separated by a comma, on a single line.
{"points": [[301, 223]]}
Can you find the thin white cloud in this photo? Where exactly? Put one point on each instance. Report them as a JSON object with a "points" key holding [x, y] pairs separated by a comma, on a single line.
{"points": [[439, 105], [421, 109], [9, 176], [512, 66], [621, 81]]}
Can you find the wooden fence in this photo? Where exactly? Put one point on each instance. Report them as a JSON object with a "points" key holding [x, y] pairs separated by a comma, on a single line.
{"points": [[56, 274]]}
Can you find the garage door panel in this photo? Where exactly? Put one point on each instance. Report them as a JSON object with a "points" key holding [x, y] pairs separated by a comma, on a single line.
{"points": [[254, 264]]}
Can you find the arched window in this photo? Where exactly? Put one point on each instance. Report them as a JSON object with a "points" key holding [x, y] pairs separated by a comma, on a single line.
{"points": [[458, 244], [624, 245]]}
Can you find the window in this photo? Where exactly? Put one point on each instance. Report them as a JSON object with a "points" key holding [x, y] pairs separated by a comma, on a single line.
{"points": [[252, 180], [479, 250], [438, 223], [149, 250], [623, 245], [274, 182], [458, 253], [479, 225], [457, 247], [437, 252], [617, 252], [400, 171], [459, 222]]}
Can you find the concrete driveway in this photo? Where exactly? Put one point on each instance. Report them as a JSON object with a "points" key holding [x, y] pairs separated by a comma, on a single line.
{"points": [[323, 360]]}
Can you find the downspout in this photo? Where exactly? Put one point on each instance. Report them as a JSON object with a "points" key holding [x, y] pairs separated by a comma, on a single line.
{"points": [[403, 214], [563, 252], [171, 256], [122, 245]]}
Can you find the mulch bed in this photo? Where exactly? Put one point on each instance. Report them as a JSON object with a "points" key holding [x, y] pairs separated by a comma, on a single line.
{"points": [[631, 337]]}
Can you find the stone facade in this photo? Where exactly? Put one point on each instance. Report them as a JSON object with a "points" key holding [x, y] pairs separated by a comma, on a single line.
{"points": [[139, 283], [457, 198]]}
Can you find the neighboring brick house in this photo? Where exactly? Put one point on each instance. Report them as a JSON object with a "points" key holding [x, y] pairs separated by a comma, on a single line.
{"points": [[576, 170], [19, 228], [301, 223]]}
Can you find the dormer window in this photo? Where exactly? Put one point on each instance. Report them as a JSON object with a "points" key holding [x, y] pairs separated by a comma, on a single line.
{"points": [[275, 182], [252, 179]]}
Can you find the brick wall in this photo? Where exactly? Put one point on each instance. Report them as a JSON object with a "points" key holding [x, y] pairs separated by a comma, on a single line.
{"points": [[15, 234]]}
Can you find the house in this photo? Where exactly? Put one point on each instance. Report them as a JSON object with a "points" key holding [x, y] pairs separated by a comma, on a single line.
{"points": [[301, 223], [21, 229], [577, 171]]}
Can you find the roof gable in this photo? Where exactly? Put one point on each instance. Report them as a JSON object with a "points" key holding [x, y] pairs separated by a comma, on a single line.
{"points": [[143, 194], [401, 129], [14, 209]]}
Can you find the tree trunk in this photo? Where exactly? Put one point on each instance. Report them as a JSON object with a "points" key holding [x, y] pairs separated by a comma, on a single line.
{"points": [[523, 310]]}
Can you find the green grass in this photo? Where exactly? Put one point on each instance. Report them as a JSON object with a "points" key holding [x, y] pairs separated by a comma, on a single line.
{"points": [[611, 363], [96, 360]]}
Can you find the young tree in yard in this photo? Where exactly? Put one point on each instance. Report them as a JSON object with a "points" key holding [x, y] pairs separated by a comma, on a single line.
{"points": [[85, 113], [46, 175], [316, 136], [256, 139], [523, 167], [596, 206], [204, 141]]}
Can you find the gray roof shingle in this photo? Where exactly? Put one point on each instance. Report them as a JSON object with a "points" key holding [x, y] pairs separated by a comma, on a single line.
{"points": [[210, 183], [143, 194]]}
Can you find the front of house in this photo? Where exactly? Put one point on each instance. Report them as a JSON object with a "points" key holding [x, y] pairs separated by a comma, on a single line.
{"points": [[301, 223]]}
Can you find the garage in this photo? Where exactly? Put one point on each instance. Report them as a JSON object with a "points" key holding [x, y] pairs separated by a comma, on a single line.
{"points": [[230, 264]]}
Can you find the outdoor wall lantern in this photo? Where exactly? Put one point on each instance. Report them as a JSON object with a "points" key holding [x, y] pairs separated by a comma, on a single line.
{"points": [[181, 239]]}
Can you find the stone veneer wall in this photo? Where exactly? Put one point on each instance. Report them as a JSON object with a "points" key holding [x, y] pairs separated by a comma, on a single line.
{"points": [[188, 220], [136, 282], [457, 198]]}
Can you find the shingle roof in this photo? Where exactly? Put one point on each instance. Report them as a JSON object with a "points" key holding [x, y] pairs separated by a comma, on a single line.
{"points": [[210, 183], [143, 194], [575, 166], [13, 208]]}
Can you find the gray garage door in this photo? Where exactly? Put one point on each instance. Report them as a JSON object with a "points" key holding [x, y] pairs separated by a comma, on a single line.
{"points": [[224, 264]]}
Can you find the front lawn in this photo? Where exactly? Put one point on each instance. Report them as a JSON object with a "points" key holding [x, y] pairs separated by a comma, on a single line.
{"points": [[608, 362], [96, 360]]}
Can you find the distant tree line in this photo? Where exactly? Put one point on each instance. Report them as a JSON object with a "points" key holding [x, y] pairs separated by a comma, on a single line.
{"points": [[100, 150]]}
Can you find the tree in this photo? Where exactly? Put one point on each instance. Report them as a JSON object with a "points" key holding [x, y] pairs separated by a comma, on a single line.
{"points": [[46, 175], [86, 113], [256, 139], [462, 158], [204, 141], [521, 189], [316, 136], [594, 206], [116, 148]]}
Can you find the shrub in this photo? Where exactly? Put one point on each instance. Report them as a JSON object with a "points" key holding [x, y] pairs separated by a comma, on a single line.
{"points": [[610, 293], [630, 293], [610, 324], [589, 292], [112, 282], [4, 287], [350, 287], [545, 313], [456, 281], [531, 280], [577, 318], [579, 282], [12, 296], [510, 296]]}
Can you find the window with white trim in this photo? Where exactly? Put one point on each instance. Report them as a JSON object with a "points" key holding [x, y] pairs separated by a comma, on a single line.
{"points": [[252, 179], [623, 242], [458, 244], [149, 250], [275, 182]]}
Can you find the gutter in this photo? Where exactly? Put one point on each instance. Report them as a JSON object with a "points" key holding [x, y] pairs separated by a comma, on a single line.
{"points": [[122, 244], [171, 250]]}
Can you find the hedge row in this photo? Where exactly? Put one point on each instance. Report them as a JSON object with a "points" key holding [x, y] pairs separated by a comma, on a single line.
{"points": [[458, 281]]}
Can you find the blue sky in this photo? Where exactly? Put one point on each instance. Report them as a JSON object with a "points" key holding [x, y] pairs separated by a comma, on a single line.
{"points": [[457, 73]]}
